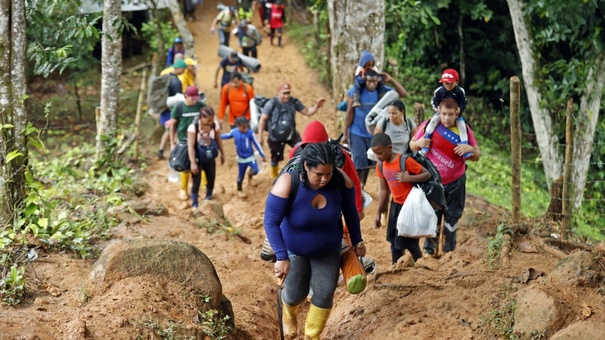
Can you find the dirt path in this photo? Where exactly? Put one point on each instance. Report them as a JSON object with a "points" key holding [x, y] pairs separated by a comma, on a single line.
{"points": [[442, 298]]}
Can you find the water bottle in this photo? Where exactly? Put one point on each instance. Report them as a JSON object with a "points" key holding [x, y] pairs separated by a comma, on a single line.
{"points": [[173, 175]]}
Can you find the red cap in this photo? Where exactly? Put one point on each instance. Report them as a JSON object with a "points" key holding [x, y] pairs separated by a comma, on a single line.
{"points": [[192, 92], [449, 76], [283, 87], [315, 132]]}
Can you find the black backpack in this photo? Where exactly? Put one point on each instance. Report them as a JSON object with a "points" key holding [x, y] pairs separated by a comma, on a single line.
{"points": [[282, 125], [433, 189]]}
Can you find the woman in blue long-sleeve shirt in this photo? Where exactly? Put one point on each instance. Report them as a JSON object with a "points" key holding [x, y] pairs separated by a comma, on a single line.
{"points": [[305, 232]]}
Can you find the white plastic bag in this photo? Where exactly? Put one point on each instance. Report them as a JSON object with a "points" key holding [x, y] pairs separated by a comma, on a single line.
{"points": [[417, 218]]}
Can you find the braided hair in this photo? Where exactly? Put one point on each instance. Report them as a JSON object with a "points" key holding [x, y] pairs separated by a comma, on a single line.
{"points": [[315, 154]]}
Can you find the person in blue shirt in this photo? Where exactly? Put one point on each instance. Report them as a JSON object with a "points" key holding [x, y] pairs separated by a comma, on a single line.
{"points": [[355, 132], [306, 234], [245, 142], [177, 47], [229, 64]]}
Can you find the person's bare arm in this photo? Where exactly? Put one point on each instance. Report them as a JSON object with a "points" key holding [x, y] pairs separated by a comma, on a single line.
{"points": [[348, 120], [398, 87], [173, 125], [309, 111], [383, 195], [218, 69], [262, 123]]}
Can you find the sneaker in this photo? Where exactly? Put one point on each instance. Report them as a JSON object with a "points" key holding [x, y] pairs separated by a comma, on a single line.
{"points": [[160, 154], [195, 211], [183, 195], [242, 194]]}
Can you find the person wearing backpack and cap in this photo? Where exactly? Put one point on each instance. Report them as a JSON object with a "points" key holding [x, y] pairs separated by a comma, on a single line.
{"points": [[224, 20], [177, 47], [278, 117], [175, 87], [183, 115]]}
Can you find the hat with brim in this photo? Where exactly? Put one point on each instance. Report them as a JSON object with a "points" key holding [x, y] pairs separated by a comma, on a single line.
{"points": [[192, 92], [179, 64]]}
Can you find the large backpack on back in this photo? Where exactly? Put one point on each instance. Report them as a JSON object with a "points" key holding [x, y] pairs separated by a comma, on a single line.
{"points": [[158, 93], [433, 189], [282, 125]]}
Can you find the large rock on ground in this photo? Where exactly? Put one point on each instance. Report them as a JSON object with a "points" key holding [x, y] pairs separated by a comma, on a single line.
{"points": [[171, 261], [538, 311], [585, 330], [577, 269]]}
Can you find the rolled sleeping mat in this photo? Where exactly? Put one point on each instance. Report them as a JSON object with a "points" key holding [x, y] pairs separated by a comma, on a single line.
{"points": [[251, 63], [374, 118], [377, 110], [180, 98], [176, 99], [254, 115]]}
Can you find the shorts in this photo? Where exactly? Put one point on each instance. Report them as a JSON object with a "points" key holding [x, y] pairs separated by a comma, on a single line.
{"points": [[359, 147], [165, 119], [277, 148]]}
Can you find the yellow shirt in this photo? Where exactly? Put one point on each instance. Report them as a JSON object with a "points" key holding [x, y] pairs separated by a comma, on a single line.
{"points": [[186, 78]]}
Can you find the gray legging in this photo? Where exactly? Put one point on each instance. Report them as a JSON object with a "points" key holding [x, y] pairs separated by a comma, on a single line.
{"points": [[321, 273]]}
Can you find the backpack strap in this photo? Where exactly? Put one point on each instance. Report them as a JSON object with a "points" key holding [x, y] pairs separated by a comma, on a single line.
{"points": [[402, 160], [295, 182]]}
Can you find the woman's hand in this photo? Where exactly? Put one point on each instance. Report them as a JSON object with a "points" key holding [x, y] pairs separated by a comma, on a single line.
{"points": [[222, 158], [360, 249], [194, 169], [281, 269]]}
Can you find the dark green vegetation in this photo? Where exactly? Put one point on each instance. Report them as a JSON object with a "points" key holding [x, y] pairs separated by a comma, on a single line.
{"points": [[477, 39]]}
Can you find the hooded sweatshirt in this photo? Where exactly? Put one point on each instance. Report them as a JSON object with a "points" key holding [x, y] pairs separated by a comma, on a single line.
{"points": [[315, 132], [365, 57]]}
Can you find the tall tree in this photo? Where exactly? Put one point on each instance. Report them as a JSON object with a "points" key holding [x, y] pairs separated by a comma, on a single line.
{"points": [[111, 63], [181, 25], [562, 55], [354, 26], [13, 117]]}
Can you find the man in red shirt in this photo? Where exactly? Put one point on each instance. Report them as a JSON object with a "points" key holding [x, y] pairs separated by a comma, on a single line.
{"points": [[237, 95]]}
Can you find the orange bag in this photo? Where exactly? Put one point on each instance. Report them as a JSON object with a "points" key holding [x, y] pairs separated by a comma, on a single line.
{"points": [[352, 270]]}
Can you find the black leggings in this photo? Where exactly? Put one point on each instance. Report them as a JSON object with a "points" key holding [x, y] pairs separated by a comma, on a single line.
{"points": [[210, 169], [319, 273]]}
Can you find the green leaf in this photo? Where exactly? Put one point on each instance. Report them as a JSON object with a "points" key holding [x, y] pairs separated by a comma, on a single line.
{"points": [[12, 155]]}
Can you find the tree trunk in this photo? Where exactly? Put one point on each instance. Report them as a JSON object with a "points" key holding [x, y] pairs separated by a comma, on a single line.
{"points": [[111, 63], [354, 26], [181, 26], [543, 126], [12, 108], [585, 126]]}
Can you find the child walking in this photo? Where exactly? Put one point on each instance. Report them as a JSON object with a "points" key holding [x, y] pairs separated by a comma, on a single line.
{"points": [[449, 89], [399, 182], [203, 145], [244, 142]]}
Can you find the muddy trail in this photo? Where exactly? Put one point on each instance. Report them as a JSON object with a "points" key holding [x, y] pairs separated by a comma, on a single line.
{"points": [[446, 298]]}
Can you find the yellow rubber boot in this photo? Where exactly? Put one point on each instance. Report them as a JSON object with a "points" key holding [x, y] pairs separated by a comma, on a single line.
{"points": [[274, 171], [204, 180], [316, 321], [289, 321], [184, 180]]}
